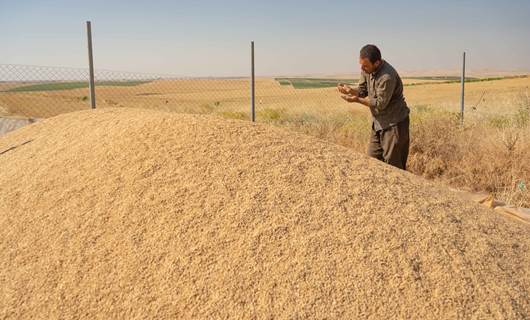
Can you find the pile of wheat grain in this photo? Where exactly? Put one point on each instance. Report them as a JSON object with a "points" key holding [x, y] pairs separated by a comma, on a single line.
{"points": [[126, 213]]}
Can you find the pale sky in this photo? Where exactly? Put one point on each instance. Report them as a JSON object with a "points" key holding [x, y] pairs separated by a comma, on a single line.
{"points": [[211, 38]]}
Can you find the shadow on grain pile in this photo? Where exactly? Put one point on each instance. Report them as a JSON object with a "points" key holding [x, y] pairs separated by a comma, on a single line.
{"points": [[144, 214]]}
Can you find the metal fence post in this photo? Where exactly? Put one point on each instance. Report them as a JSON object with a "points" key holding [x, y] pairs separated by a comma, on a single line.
{"points": [[463, 80], [252, 84], [91, 84]]}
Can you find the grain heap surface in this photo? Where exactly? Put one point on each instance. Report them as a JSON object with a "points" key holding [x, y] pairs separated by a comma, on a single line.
{"points": [[141, 214]]}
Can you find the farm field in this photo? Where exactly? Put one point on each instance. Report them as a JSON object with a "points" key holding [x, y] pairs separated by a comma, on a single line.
{"points": [[231, 96]]}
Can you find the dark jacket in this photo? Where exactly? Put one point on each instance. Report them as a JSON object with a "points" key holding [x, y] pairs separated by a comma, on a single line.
{"points": [[385, 90]]}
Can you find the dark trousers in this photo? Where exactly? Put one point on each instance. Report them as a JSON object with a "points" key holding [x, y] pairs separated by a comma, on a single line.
{"points": [[391, 145]]}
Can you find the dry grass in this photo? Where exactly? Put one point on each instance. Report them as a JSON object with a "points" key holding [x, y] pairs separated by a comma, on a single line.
{"points": [[480, 156]]}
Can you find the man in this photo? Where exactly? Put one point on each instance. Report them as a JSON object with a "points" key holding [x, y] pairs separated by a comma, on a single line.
{"points": [[381, 90]]}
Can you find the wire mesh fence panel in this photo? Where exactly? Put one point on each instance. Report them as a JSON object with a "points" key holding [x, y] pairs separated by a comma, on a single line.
{"points": [[311, 104], [35, 91], [187, 95], [41, 92]]}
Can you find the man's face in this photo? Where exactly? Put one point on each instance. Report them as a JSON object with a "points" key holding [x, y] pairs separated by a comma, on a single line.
{"points": [[368, 66]]}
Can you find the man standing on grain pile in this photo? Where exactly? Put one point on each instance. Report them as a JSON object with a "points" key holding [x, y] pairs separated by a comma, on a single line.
{"points": [[380, 89]]}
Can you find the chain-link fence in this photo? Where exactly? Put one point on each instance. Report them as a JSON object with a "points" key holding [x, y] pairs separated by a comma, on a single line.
{"points": [[41, 92]]}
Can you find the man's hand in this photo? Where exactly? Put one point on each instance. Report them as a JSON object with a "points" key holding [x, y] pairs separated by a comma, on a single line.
{"points": [[343, 88], [346, 89], [350, 98]]}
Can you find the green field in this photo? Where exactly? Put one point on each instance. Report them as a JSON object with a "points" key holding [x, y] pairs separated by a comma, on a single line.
{"points": [[312, 83], [54, 86]]}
